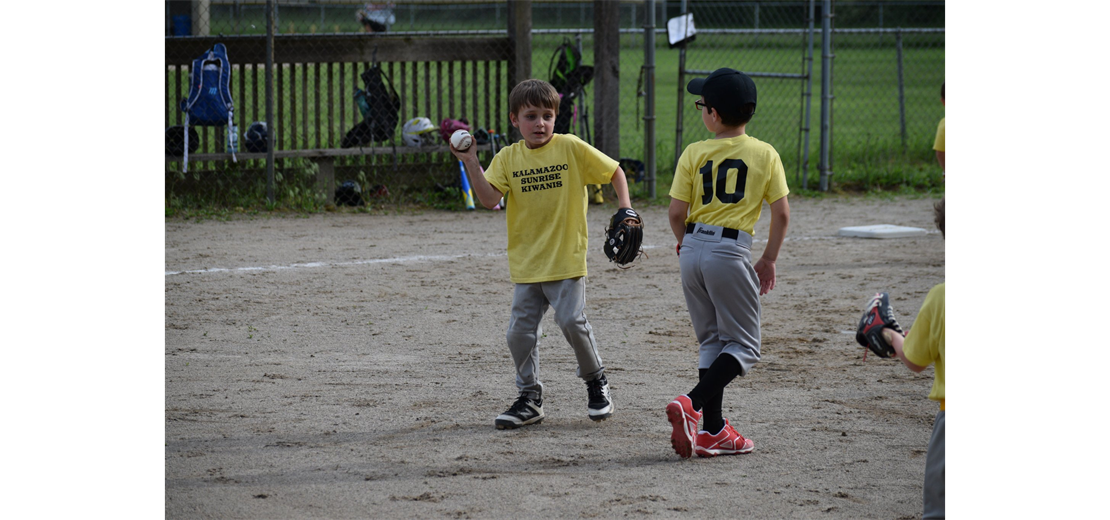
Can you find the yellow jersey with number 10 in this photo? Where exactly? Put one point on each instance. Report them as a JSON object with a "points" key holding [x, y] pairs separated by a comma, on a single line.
{"points": [[725, 181]]}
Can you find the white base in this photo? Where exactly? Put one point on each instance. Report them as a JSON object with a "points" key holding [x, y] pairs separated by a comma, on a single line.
{"points": [[881, 231]]}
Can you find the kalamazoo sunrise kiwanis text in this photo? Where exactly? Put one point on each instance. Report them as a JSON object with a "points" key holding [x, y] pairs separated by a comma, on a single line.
{"points": [[541, 178]]}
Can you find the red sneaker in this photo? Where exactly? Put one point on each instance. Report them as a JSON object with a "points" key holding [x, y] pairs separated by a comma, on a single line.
{"points": [[684, 421], [727, 442]]}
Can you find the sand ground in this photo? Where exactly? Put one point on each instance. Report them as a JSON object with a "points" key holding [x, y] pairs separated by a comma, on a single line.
{"points": [[351, 365]]}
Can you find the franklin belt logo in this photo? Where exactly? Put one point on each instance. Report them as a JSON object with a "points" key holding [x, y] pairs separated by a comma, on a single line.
{"points": [[709, 232]]}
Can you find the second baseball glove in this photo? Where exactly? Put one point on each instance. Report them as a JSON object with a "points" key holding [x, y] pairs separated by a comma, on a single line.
{"points": [[879, 315], [624, 237]]}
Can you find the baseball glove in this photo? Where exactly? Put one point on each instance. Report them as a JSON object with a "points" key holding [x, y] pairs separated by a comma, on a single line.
{"points": [[624, 237], [879, 315]]}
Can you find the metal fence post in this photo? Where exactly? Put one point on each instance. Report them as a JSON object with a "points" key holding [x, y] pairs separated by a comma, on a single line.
{"points": [[649, 95], [901, 88], [201, 17], [826, 91], [271, 20], [808, 94], [681, 93], [580, 101]]}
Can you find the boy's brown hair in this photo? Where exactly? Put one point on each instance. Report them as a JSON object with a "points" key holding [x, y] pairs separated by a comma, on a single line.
{"points": [[533, 92], [741, 117], [941, 212]]}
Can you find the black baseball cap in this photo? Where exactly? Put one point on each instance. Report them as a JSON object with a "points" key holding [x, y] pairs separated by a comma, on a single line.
{"points": [[727, 90]]}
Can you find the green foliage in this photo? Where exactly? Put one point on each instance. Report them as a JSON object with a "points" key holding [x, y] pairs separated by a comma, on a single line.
{"points": [[448, 198], [885, 176], [232, 188]]}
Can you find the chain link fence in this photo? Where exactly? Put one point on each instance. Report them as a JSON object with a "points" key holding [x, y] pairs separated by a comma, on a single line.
{"points": [[455, 60], [887, 71], [768, 41], [887, 105]]}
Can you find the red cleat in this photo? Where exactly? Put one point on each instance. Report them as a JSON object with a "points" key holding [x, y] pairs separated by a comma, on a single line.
{"points": [[726, 442], [684, 421]]}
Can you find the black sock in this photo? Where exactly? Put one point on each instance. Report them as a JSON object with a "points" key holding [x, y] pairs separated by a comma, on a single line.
{"points": [[712, 419], [709, 394]]}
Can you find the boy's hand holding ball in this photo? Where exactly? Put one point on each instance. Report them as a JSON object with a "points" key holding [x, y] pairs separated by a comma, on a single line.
{"points": [[461, 140]]}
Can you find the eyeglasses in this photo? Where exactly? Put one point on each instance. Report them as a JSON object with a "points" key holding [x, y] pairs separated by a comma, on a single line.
{"points": [[699, 104]]}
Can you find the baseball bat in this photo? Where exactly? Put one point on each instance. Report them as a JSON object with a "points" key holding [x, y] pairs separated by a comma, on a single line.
{"points": [[468, 195]]}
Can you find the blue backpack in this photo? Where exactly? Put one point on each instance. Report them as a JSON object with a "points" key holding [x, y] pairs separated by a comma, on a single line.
{"points": [[209, 102]]}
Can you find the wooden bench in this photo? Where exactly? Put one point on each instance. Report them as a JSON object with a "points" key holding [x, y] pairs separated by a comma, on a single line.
{"points": [[315, 76]]}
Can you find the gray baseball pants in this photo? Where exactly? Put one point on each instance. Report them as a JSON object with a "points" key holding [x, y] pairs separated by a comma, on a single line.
{"points": [[934, 471], [530, 301], [722, 295]]}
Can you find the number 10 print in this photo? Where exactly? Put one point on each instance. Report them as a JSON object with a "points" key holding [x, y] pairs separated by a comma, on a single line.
{"points": [[722, 175]]}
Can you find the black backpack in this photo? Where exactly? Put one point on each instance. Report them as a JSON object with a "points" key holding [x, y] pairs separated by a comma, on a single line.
{"points": [[380, 106], [569, 77], [256, 138], [349, 194], [175, 140]]}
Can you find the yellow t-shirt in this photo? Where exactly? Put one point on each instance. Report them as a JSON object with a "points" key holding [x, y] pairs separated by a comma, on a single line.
{"points": [[925, 343], [938, 144], [725, 181], [545, 195]]}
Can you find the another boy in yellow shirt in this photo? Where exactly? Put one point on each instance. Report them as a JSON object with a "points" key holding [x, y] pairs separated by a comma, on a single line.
{"points": [[543, 179], [921, 347]]}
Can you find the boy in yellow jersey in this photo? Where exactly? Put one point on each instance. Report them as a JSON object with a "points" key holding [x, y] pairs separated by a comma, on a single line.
{"points": [[924, 346], [717, 195], [543, 179], [941, 143]]}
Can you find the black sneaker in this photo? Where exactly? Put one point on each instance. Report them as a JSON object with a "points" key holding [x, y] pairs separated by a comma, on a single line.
{"points": [[523, 412], [600, 405]]}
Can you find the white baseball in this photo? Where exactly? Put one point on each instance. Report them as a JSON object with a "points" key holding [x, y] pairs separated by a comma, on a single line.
{"points": [[461, 140]]}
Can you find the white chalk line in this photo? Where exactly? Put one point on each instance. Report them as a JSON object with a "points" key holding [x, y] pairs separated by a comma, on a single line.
{"points": [[395, 260], [403, 260]]}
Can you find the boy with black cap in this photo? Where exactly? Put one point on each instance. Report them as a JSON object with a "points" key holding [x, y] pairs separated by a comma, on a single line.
{"points": [[716, 198]]}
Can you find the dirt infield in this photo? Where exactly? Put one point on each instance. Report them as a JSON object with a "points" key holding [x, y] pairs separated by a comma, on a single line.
{"points": [[351, 365]]}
